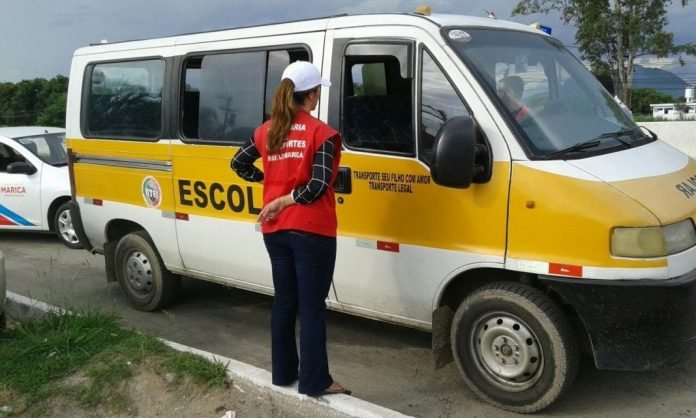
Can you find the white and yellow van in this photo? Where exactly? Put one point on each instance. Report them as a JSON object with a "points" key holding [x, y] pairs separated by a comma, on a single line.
{"points": [[517, 238]]}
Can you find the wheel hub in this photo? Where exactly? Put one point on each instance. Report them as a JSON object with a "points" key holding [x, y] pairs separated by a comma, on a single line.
{"points": [[139, 272], [508, 352], [66, 229]]}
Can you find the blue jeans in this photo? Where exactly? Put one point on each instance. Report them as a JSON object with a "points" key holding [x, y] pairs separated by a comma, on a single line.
{"points": [[303, 266]]}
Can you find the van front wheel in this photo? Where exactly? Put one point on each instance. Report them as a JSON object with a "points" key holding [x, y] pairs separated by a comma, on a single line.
{"points": [[514, 347], [146, 283]]}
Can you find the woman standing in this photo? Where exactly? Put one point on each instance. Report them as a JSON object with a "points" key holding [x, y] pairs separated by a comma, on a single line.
{"points": [[300, 157]]}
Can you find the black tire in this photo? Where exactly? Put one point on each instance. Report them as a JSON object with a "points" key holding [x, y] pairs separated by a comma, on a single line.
{"points": [[62, 224], [147, 284], [514, 347]]}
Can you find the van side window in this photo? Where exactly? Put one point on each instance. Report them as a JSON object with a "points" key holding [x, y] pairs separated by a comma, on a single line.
{"points": [[125, 100], [439, 102], [377, 112], [227, 95]]}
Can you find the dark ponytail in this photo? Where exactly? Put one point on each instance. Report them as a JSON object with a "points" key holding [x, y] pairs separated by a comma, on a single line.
{"points": [[283, 110]]}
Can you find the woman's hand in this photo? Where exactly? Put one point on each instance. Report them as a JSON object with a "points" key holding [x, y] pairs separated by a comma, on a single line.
{"points": [[273, 209]]}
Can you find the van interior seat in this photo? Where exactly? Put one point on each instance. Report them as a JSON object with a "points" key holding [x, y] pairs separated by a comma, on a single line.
{"points": [[378, 122]]}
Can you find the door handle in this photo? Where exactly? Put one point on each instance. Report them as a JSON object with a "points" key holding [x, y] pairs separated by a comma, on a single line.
{"points": [[343, 184]]}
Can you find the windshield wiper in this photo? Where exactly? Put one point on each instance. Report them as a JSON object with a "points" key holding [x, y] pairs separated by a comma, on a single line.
{"points": [[617, 136], [580, 146], [594, 142]]}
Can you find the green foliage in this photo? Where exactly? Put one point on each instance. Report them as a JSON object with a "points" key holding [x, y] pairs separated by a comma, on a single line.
{"points": [[642, 99], [86, 357], [34, 102], [52, 348]]}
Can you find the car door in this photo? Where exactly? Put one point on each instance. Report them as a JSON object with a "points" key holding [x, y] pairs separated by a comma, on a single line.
{"points": [[20, 194], [401, 236]]}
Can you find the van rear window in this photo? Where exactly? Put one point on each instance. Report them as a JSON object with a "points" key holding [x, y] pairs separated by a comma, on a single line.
{"points": [[125, 100]]}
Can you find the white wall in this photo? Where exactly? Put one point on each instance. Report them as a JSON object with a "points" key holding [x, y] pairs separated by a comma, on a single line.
{"points": [[679, 134]]}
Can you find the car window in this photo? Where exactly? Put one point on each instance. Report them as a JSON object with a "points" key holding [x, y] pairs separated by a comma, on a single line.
{"points": [[439, 103], [377, 114], [8, 155], [50, 148]]}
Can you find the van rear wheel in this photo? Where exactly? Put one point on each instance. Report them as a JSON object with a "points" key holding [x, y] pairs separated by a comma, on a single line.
{"points": [[147, 284], [514, 347]]}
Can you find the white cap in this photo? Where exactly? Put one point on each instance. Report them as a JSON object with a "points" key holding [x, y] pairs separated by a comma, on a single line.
{"points": [[304, 75]]}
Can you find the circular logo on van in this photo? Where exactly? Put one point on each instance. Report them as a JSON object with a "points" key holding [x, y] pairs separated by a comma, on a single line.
{"points": [[152, 192]]}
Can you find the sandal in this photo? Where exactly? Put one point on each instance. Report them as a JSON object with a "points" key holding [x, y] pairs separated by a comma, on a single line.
{"points": [[340, 390]]}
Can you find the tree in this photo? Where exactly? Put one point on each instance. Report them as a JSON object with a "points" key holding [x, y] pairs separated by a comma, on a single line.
{"points": [[34, 102], [641, 99], [611, 34], [681, 108]]}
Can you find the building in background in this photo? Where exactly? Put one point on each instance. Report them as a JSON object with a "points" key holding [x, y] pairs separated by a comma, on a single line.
{"points": [[676, 111]]}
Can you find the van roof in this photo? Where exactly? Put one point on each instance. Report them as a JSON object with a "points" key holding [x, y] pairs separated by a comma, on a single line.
{"points": [[311, 25]]}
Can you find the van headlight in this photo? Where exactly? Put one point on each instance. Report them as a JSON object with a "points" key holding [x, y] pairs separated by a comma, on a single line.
{"points": [[657, 241]]}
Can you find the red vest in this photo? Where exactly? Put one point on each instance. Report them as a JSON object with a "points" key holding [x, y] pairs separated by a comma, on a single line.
{"points": [[291, 167]]}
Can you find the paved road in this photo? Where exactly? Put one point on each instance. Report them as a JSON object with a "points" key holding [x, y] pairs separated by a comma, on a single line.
{"points": [[384, 364]]}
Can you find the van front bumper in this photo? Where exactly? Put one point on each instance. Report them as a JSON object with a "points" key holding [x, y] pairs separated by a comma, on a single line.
{"points": [[634, 324]]}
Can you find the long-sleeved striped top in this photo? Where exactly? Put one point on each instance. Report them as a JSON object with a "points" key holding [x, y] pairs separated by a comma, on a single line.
{"points": [[243, 165]]}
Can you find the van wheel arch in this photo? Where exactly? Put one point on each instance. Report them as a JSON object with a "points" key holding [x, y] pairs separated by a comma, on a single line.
{"points": [[59, 221], [53, 207], [114, 231]]}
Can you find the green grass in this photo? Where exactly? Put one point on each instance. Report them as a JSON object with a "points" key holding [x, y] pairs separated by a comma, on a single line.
{"points": [[650, 118], [38, 357]]}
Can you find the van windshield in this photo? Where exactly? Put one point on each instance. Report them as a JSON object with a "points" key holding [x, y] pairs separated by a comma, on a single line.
{"points": [[557, 107]]}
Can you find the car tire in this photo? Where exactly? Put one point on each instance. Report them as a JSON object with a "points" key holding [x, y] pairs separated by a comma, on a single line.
{"points": [[146, 283], [514, 347], [62, 224]]}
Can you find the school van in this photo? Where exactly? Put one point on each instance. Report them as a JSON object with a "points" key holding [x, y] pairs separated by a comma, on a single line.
{"points": [[490, 190], [34, 182]]}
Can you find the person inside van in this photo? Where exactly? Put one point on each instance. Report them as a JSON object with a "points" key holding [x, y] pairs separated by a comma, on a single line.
{"points": [[300, 156], [510, 89]]}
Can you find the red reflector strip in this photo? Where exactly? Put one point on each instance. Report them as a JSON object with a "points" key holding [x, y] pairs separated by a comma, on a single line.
{"points": [[97, 202], [565, 270], [388, 246], [182, 216]]}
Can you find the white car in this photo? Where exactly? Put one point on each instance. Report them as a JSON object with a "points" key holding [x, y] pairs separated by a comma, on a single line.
{"points": [[34, 182]]}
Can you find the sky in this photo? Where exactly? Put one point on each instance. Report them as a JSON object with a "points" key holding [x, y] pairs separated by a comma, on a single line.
{"points": [[38, 37]]}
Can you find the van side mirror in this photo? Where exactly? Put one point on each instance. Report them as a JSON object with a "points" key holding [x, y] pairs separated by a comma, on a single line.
{"points": [[21, 167], [461, 155]]}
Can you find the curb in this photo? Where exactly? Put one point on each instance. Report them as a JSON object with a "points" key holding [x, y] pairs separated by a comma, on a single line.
{"points": [[21, 307]]}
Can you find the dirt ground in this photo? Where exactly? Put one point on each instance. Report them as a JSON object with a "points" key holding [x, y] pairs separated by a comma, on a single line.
{"points": [[149, 394]]}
